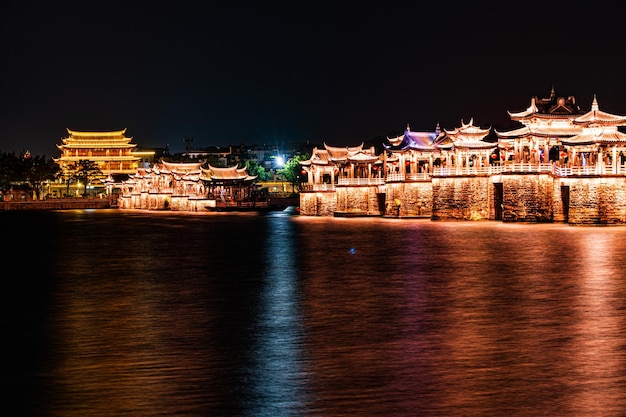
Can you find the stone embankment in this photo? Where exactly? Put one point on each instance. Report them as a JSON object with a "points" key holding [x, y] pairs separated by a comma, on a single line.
{"points": [[58, 204]]}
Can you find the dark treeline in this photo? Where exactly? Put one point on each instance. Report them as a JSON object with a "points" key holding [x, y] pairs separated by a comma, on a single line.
{"points": [[26, 171]]}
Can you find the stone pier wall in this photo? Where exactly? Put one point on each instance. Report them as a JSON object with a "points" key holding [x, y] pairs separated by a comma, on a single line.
{"points": [[462, 198], [318, 203], [558, 201], [528, 198], [161, 201], [364, 200], [600, 200], [409, 199]]}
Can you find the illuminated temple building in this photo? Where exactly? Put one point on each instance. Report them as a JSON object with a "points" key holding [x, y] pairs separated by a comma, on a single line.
{"points": [[561, 164], [111, 151]]}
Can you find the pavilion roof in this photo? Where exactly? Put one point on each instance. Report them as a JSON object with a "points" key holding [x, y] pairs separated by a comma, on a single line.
{"points": [[597, 117], [548, 108], [318, 157], [469, 136], [422, 141], [228, 173], [598, 137], [540, 131], [362, 157], [180, 167], [111, 133]]}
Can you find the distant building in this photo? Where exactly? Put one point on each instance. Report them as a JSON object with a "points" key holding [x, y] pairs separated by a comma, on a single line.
{"points": [[112, 151]]}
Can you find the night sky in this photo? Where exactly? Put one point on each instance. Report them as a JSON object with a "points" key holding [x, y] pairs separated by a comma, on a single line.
{"points": [[259, 74]]}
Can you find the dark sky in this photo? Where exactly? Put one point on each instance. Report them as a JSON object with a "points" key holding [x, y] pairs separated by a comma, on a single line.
{"points": [[262, 74]]}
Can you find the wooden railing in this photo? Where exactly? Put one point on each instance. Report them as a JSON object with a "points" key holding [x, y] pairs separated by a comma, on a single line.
{"points": [[318, 187], [421, 176], [361, 181], [589, 170], [493, 169], [508, 167]]}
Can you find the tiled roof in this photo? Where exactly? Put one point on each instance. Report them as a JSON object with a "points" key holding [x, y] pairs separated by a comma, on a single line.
{"points": [[228, 173]]}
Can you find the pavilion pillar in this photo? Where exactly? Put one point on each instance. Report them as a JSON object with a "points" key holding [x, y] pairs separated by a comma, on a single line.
{"points": [[385, 165]]}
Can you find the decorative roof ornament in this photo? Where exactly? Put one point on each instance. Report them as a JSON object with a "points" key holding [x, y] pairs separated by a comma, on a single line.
{"points": [[597, 117]]}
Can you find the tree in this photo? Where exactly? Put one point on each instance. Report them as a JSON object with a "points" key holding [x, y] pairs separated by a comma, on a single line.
{"points": [[83, 170], [39, 171], [11, 169], [26, 171], [253, 168], [292, 172]]}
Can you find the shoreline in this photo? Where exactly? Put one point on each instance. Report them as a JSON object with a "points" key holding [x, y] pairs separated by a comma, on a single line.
{"points": [[57, 204]]}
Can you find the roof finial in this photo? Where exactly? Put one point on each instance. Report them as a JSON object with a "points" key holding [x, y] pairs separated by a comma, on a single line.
{"points": [[594, 104], [552, 93], [408, 128]]}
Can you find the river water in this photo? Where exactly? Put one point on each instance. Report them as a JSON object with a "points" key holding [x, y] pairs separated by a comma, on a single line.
{"points": [[128, 313]]}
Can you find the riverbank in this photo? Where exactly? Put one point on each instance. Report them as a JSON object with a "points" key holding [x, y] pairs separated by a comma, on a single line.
{"points": [[99, 203], [58, 204]]}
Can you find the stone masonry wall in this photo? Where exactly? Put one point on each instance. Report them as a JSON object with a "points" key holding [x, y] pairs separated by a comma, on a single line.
{"points": [[527, 198], [597, 200], [558, 211], [462, 198], [359, 199], [318, 203], [415, 198]]}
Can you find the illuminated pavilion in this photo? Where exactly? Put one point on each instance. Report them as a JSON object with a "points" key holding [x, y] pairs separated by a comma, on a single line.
{"points": [[230, 187], [165, 185], [342, 164], [555, 130], [189, 186], [545, 123], [417, 151], [466, 147]]}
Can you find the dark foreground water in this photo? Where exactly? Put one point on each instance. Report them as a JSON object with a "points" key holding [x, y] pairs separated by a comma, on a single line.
{"points": [[113, 313]]}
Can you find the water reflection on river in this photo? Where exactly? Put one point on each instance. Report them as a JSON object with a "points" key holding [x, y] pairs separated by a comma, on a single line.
{"points": [[116, 313]]}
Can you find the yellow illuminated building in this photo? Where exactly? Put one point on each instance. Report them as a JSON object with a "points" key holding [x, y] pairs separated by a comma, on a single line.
{"points": [[112, 151]]}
